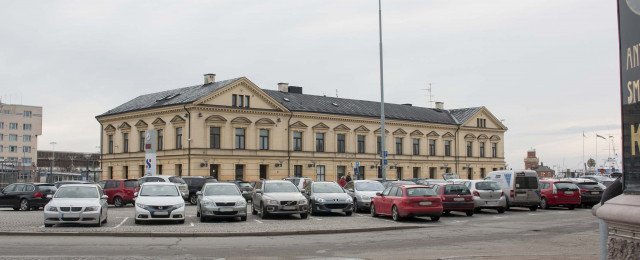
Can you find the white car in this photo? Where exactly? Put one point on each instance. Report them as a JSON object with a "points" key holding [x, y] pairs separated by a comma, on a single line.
{"points": [[77, 203], [159, 201], [179, 182]]}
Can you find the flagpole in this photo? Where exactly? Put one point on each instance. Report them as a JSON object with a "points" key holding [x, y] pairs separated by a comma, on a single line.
{"points": [[584, 165], [596, 151]]}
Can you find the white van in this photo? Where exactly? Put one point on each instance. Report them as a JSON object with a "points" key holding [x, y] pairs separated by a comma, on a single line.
{"points": [[520, 187]]}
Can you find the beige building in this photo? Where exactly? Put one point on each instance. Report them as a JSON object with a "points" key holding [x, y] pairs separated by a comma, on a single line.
{"points": [[20, 126], [233, 129]]}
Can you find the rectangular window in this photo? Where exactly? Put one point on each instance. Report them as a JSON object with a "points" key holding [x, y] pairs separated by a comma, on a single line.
{"points": [[416, 146], [341, 171], [469, 148], [1, 125], [482, 173], [297, 141], [26, 113], [13, 137], [432, 172], [416, 172], [399, 145], [482, 149], [141, 136], [214, 137], [447, 148], [432, 147], [159, 169], [125, 142], [1, 137], [26, 149], [379, 145], [482, 123], [246, 101], [26, 126], [125, 171], [1, 151], [297, 171], [160, 140], [13, 149], [110, 145], [26, 161], [240, 138], [320, 172], [360, 174], [234, 100], [319, 142], [494, 150], [179, 138], [179, 170], [361, 144], [341, 143], [240, 100], [239, 172], [399, 173], [264, 139], [13, 125]]}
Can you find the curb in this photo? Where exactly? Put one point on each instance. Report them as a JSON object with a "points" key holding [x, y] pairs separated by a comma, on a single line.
{"points": [[203, 234]]}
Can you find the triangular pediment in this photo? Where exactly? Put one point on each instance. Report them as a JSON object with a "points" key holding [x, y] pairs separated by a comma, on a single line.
{"points": [[298, 125], [470, 136], [158, 122], [377, 131], [416, 133], [320, 126], [141, 124], [216, 119], [495, 138], [362, 129], [483, 137], [110, 127], [483, 113], [265, 121], [448, 135], [433, 134], [124, 126], [341, 127], [258, 98], [241, 120], [399, 132], [177, 120]]}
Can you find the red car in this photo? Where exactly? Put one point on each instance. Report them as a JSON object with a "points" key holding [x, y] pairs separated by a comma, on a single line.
{"points": [[555, 193], [455, 197], [407, 200], [120, 191]]}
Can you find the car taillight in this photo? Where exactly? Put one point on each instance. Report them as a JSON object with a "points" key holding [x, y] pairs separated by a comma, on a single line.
{"points": [[502, 194], [512, 193], [475, 193], [583, 190], [444, 198], [38, 195]]}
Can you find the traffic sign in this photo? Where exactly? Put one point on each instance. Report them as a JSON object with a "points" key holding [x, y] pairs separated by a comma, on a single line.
{"points": [[355, 170], [385, 154], [357, 164], [385, 162]]}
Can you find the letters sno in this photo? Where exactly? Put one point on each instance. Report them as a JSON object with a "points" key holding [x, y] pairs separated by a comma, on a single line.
{"points": [[150, 164]]}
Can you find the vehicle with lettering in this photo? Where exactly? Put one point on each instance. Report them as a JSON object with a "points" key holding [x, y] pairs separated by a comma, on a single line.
{"points": [[520, 187]]}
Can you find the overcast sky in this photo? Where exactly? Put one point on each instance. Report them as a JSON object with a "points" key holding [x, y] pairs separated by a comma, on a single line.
{"points": [[549, 68]]}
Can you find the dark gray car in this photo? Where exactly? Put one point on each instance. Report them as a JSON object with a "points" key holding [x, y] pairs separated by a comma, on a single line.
{"points": [[272, 197], [362, 191], [329, 197]]}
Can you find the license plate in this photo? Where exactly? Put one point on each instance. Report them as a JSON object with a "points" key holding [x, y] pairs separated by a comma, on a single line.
{"points": [[70, 215], [161, 213], [425, 203], [595, 192], [289, 207], [336, 210], [226, 209], [521, 194], [568, 192], [491, 202], [458, 199]]}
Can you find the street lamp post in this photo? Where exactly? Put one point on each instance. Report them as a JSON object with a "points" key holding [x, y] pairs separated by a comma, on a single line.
{"points": [[52, 159], [87, 156], [382, 133]]}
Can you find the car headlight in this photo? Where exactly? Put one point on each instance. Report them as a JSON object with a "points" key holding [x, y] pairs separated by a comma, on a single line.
{"points": [[52, 208], [179, 205], [241, 202], [91, 209], [140, 205], [319, 200], [209, 203], [349, 200], [272, 202], [303, 202], [365, 197]]}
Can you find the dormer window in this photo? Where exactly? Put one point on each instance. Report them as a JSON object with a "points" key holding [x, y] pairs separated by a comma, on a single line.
{"points": [[239, 100]]}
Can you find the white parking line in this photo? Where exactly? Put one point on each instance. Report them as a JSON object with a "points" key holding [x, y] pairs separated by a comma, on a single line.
{"points": [[192, 224], [497, 217], [360, 215], [258, 221], [125, 219], [42, 226], [531, 214], [315, 218]]}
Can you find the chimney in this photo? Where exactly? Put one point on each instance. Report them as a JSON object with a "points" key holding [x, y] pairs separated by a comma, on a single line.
{"points": [[283, 87], [440, 105], [209, 78]]}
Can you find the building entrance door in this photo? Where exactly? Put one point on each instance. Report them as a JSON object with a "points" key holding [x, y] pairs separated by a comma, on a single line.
{"points": [[214, 170], [263, 171]]}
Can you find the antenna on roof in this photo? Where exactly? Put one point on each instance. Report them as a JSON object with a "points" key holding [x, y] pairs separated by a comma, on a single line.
{"points": [[430, 95], [336, 92]]}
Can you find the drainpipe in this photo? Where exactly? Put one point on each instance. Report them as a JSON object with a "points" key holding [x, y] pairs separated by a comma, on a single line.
{"points": [[101, 165], [457, 154], [289, 145], [189, 142]]}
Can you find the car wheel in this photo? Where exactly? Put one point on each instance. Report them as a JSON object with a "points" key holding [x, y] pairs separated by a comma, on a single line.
{"points": [[355, 206], [572, 207], [243, 218], [435, 218], [304, 215], [48, 225], [533, 208], [253, 209], [395, 214], [311, 212], [118, 202], [348, 213], [16, 209], [181, 221], [477, 210], [202, 217], [469, 213], [501, 210], [447, 212], [193, 199], [138, 222], [373, 210], [263, 211], [105, 220], [24, 205], [99, 221], [544, 204], [198, 213]]}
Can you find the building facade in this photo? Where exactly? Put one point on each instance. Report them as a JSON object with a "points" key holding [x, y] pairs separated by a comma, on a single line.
{"points": [[531, 160], [20, 126], [233, 129]]}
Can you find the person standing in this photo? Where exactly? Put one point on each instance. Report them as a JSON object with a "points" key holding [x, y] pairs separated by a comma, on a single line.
{"points": [[342, 182], [348, 179]]}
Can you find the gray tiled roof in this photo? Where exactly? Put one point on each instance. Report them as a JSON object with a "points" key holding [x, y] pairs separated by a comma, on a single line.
{"points": [[184, 96], [463, 114], [322, 104]]}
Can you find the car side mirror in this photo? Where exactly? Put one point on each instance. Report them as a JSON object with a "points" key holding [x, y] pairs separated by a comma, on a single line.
{"points": [[244, 192], [259, 191], [49, 196], [135, 194], [350, 190], [104, 197], [199, 193], [378, 193]]}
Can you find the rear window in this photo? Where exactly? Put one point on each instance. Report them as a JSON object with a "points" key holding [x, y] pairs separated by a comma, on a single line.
{"points": [[487, 186], [420, 192], [244, 185], [176, 180], [526, 182], [131, 184], [565, 186], [457, 189], [589, 185], [50, 188], [210, 180]]}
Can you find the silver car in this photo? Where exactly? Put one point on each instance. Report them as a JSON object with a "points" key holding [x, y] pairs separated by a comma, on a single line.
{"points": [[362, 191], [329, 197], [487, 195], [221, 200], [271, 197], [77, 203]]}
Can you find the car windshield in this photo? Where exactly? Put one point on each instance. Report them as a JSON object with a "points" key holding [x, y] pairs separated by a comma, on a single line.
{"points": [[327, 188], [280, 187], [456, 189], [402, 182], [589, 185], [607, 183], [244, 185], [487, 185], [565, 186], [176, 180], [47, 188], [66, 192], [221, 190], [526, 182], [369, 186], [159, 190], [420, 192]]}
